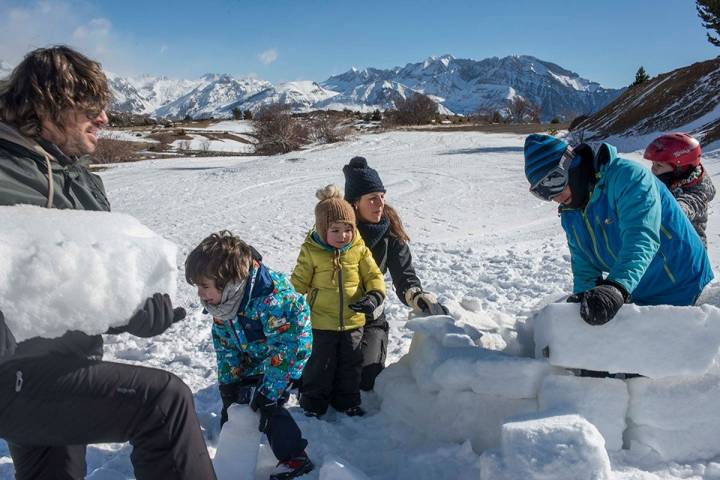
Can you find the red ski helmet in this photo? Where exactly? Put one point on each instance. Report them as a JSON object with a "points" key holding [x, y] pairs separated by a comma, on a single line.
{"points": [[678, 149]]}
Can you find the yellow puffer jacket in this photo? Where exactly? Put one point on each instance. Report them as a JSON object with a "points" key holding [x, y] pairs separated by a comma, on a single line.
{"points": [[319, 272]]}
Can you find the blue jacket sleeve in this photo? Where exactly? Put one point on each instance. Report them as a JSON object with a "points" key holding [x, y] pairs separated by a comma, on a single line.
{"points": [[633, 193], [284, 330]]}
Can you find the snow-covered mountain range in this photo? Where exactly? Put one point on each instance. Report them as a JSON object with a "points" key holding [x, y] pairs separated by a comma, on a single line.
{"points": [[461, 86]]}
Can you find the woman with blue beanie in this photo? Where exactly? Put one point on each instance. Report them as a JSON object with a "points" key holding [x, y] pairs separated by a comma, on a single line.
{"points": [[383, 232], [629, 240]]}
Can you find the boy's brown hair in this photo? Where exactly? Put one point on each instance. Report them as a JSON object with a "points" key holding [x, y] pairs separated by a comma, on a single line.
{"points": [[49, 81], [221, 257]]}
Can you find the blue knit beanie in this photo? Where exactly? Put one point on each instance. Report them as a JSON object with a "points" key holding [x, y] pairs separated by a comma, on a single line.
{"points": [[360, 179], [542, 154]]}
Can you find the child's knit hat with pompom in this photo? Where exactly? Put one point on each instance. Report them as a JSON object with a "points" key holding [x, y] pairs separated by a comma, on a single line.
{"points": [[331, 208]]}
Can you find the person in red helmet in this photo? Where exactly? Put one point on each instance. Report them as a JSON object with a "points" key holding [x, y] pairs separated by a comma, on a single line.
{"points": [[675, 161]]}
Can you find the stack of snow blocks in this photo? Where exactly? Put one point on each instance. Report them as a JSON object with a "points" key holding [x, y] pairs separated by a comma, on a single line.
{"points": [[670, 412], [451, 389]]}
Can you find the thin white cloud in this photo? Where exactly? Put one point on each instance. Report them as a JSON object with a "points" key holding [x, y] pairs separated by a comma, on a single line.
{"points": [[49, 22], [163, 49], [268, 56]]}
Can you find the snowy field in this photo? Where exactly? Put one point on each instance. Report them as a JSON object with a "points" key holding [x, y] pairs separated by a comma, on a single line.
{"points": [[492, 252]]}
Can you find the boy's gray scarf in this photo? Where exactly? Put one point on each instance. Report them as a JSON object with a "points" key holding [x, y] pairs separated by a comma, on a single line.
{"points": [[229, 305]]}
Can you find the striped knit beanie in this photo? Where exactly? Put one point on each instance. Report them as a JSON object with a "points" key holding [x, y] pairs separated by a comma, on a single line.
{"points": [[330, 209], [542, 154]]}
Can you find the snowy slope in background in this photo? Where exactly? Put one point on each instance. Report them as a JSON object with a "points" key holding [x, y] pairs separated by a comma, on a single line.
{"points": [[493, 253], [686, 99]]}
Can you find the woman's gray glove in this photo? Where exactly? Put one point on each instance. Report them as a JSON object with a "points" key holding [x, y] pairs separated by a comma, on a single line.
{"points": [[424, 302], [155, 316]]}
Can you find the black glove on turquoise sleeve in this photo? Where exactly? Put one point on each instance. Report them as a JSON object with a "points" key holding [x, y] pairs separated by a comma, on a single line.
{"points": [[7, 339], [600, 304], [575, 297], [156, 316], [368, 303]]}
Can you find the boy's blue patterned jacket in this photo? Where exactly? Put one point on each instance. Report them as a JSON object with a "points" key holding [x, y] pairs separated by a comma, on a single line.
{"points": [[270, 336]]}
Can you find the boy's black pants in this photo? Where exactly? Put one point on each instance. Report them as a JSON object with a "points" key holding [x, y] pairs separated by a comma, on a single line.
{"points": [[332, 374], [52, 406], [282, 432], [374, 350]]}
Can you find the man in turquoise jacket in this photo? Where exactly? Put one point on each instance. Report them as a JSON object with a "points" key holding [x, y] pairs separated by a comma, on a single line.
{"points": [[629, 240]]}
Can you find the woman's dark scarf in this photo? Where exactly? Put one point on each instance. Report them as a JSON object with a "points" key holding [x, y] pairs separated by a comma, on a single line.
{"points": [[372, 232]]}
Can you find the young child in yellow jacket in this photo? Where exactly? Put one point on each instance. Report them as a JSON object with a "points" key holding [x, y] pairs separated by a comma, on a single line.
{"points": [[338, 274]]}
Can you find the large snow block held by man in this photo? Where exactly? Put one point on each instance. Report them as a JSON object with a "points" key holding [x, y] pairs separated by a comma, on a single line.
{"points": [[602, 401], [444, 358], [659, 341], [565, 447], [66, 270], [679, 418]]}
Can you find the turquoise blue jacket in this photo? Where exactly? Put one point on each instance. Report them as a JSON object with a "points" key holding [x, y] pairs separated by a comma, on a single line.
{"points": [[270, 336], [633, 230]]}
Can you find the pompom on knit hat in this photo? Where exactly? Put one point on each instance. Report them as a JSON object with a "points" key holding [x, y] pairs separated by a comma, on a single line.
{"points": [[360, 179], [331, 208], [542, 154]]}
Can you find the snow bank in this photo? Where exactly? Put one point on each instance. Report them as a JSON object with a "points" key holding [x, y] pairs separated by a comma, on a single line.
{"points": [[444, 357], [77, 270], [602, 401], [679, 418], [659, 341], [565, 447]]}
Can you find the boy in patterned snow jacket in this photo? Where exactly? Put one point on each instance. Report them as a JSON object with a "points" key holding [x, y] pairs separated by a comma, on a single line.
{"points": [[344, 285], [262, 337]]}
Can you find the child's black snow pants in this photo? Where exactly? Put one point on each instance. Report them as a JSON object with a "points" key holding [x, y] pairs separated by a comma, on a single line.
{"points": [[52, 406], [332, 374]]}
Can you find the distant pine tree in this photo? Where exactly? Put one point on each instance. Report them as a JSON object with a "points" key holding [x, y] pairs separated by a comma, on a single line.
{"points": [[641, 76], [237, 113], [709, 12]]}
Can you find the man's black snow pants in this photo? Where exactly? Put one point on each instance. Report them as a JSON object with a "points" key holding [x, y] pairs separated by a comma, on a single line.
{"points": [[332, 374], [374, 351], [52, 406]]}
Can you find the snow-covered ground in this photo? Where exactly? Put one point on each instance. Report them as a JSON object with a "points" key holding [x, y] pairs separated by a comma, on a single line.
{"points": [[492, 252]]}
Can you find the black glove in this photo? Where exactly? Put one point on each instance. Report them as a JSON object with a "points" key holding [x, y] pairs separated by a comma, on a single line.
{"points": [[575, 297], [265, 406], [7, 339], [156, 316], [600, 304], [368, 304], [231, 393]]}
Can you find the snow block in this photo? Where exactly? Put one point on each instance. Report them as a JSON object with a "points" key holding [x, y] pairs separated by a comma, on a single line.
{"points": [[66, 270], [454, 416], [450, 366], [679, 418], [659, 341], [237, 451], [566, 447], [601, 401]]}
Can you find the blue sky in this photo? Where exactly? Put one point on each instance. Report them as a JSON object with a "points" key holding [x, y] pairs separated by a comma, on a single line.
{"points": [[603, 40]]}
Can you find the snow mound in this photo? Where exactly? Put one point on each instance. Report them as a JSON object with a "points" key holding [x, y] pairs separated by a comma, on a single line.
{"points": [[339, 469], [659, 341], [676, 417], [602, 401], [444, 357], [566, 447], [66, 270]]}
